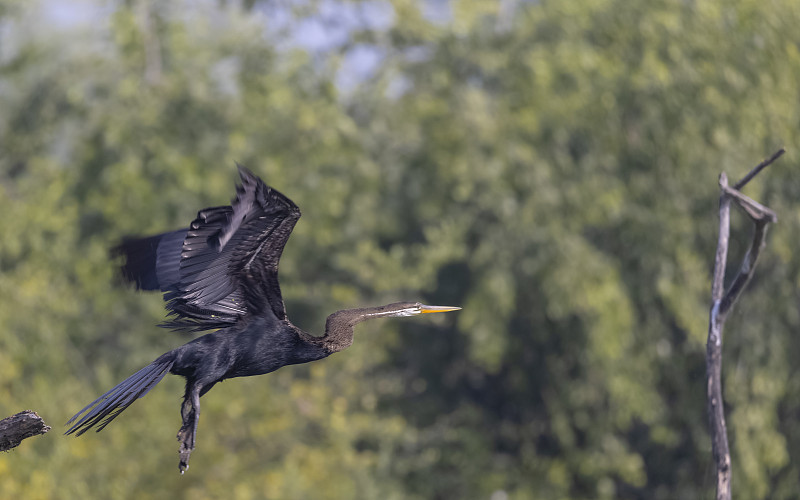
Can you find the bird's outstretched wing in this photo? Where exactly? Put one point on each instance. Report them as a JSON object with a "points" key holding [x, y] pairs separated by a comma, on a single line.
{"points": [[224, 266]]}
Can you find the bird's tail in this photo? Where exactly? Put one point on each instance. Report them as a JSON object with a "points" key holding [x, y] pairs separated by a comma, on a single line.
{"points": [[106, 408]]}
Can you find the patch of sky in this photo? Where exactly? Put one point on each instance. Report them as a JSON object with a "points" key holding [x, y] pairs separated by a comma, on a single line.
{"points": [[327, 28]]}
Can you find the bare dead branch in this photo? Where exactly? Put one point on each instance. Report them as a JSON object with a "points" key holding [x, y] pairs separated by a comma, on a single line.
{"points": [[758, 168], [21, 426], [717, 285], [746, 270], [754, 209], [721, 305], [716, 412]]}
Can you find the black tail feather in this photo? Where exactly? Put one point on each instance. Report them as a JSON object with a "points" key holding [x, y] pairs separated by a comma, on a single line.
{"points": [[108, 406]]}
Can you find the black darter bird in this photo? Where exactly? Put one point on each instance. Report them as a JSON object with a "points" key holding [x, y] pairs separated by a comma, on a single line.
{"points": [[222, 274]]}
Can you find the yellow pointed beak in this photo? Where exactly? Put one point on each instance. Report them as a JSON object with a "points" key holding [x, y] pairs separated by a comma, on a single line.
{"points": [[437, 309]]}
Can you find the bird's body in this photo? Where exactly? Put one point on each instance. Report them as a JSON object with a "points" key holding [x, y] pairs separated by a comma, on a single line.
{"points": [[222, 273]]}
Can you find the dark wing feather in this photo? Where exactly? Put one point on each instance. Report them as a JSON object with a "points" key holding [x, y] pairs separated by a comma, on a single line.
{"points": [[229, 259], [152, 263], [224, 265]]}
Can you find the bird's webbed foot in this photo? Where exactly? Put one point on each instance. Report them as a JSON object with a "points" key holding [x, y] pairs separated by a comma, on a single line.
{"points": [[190, 412], [186, 439]]}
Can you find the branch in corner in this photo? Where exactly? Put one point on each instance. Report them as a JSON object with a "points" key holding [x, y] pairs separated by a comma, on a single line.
{"points": [[21, 426]]}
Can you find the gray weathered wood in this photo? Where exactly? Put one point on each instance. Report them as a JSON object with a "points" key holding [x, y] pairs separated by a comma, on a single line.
{"points": [[21, 426], [721, 305]]}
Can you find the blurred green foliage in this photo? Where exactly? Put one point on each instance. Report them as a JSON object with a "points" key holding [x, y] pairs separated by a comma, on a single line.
{"points": [[550, 166]]}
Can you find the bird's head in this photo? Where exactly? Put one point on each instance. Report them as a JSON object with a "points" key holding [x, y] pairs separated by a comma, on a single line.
{"points": [[339, 327]]}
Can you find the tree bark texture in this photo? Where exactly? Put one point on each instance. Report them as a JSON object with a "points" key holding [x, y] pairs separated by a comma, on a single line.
{"points": [[21, 426]]}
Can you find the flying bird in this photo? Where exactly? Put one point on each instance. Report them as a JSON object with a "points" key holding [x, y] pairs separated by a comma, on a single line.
{"points": [[221, 273]]}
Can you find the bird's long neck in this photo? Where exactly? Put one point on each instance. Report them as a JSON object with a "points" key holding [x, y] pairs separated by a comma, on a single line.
{"points": [[339, 328]]}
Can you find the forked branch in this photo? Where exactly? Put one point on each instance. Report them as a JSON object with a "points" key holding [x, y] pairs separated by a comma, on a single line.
{"points": [[723, 302]]}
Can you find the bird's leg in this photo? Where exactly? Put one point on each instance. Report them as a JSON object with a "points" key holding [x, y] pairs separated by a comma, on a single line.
{"points": [[190, 412]]}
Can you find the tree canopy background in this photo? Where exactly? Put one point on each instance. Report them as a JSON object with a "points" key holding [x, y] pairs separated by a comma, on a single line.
{"points": [[550, 166]]}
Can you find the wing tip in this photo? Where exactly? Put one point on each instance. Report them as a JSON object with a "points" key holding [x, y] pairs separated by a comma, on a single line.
{"points": [[251, 181], [139, 261]]}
